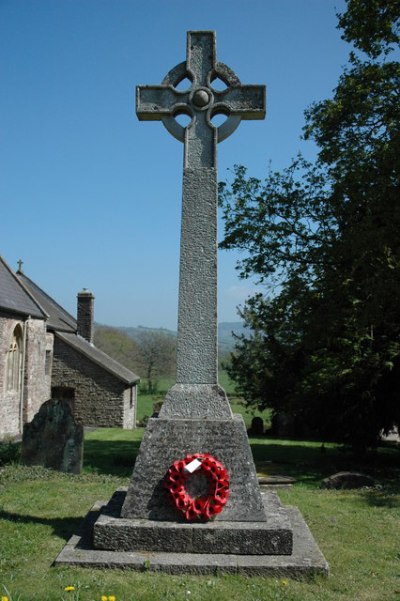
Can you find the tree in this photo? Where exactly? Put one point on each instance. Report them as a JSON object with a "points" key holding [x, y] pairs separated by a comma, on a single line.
{"points": [[327, 345], [157, 356], [118, 345]]}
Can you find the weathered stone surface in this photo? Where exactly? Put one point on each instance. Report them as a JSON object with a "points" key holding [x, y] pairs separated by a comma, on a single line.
{"points": [[166, 440], [343, 480], [53, 439], [196, 401], [274, 536], [306, 559], [197, 345]]}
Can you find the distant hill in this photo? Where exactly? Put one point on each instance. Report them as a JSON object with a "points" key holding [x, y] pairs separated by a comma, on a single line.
{"points": [[134, 332], [226, 332], [226, 329], [127, 345]]}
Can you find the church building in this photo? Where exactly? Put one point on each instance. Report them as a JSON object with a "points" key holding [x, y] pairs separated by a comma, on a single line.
{"points": [[46, 353]]}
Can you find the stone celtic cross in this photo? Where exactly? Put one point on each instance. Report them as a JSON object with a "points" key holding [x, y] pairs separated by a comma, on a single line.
{"points": [[196, 393]]}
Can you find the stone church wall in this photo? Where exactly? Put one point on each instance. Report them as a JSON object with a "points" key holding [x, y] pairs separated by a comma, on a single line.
{"points": [[36, 389], [130, 405], [99, 399], [37, 382], [10, 400]]}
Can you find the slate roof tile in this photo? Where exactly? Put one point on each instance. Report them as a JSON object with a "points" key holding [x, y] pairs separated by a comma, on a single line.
{"points": [[14, 296]]}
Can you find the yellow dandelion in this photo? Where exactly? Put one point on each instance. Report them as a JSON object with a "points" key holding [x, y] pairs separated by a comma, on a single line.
{"points": [[68, 589], [112, 598], [5, 599], [103, 598]]}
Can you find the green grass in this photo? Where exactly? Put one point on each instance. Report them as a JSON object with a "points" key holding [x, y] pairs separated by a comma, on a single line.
{"points": [[358, 531]]}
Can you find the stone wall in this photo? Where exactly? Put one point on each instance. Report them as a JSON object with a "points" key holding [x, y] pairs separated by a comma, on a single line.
{"points": [[36, 384], [100, 399], [10, 400], [130, 405]]}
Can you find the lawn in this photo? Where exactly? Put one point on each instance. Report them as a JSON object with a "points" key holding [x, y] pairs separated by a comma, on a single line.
{"points": [[358, 531]]}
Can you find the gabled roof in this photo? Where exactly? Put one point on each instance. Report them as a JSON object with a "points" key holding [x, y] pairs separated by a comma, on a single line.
{"points": [[18, 294], [97, 356], [58, 318], [15, 297]]}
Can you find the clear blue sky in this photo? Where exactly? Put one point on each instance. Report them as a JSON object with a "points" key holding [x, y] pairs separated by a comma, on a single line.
{"points": [[91, 196]]}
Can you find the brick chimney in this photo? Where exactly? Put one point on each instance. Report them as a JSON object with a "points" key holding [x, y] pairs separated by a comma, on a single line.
{"points": [[85, 314]]}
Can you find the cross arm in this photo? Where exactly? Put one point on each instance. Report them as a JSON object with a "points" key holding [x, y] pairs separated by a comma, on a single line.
{"points": [[246, 101], [155, 102]]}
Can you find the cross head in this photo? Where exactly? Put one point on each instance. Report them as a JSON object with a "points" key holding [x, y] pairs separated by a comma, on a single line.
{"points": [[201, 102]]}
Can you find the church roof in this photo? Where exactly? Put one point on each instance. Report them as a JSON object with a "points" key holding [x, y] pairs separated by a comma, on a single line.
{"points": [[15, 297], [18, 294], [58, 318], [97, 356]]}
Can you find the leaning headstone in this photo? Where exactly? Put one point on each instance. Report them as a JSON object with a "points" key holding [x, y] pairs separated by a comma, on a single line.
{"points": [[53, 439], [347, 480]]}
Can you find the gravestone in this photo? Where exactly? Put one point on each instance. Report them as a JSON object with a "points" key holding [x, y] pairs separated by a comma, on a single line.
{"points": [[141, 526], [347, 480], [53, 439]]}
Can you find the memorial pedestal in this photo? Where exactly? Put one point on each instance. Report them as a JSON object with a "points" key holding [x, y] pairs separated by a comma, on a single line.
{"points": [[148, 521], [166, 440]]}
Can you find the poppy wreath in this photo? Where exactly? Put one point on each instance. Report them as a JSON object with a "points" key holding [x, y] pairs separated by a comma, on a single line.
{"points": [[204, 507]]}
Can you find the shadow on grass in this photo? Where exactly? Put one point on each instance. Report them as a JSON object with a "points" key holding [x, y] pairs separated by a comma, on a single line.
{"points": [[62, 527], [387, 496], [311, 463], [116, 457], [308, 462]]}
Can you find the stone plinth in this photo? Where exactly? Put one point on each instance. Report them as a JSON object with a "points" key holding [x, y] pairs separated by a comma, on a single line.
{"points": [[272, 537], [305, 560], [166, 440]]}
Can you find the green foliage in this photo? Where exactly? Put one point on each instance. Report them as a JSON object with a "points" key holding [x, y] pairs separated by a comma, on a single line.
{"points": [[326, 347], [372, 25], [157, 356], [9, 452], [149, 353], [117, 345]]}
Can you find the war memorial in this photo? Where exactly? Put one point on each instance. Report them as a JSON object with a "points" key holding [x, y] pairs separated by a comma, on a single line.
{"points": [[194, 504]]}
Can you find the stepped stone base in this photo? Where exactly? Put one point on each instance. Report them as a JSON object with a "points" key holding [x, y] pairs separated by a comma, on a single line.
{"points": [[305, 560], [141, 529], [272, 537]]}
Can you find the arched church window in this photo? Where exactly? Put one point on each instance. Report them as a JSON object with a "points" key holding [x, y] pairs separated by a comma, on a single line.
{"points": [[14, 360]]}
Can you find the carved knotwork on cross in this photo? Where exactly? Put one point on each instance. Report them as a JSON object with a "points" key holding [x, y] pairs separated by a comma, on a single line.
{"points": [[201, 102]]}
